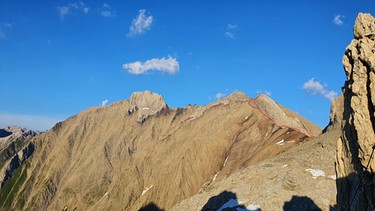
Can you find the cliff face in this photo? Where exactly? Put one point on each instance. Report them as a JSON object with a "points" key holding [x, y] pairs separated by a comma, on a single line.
{"points": [[140, 152], [355, 164]]}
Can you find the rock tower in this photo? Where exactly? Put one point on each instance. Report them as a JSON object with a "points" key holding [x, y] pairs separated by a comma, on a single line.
{"points": [[355, 162]]}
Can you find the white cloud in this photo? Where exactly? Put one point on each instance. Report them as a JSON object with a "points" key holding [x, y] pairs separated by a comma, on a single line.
{"points": [[32, 122], [104, 102], [107, 11], [71, 7], [231, 26], [107, 14], [337, 20], [229, 35], [141, 24], [76, 5], [169, 65], [63, 11], [220, 95], [312, 87]]}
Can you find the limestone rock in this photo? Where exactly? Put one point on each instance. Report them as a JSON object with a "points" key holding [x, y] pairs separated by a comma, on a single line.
{"points": [[354, 147], [364, 26]]}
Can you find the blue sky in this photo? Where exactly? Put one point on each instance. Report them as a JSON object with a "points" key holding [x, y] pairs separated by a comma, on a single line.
{"points": [[58, 58]]}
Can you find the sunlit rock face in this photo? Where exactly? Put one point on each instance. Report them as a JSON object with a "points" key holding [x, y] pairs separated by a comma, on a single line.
{"points": [[355, 182]]}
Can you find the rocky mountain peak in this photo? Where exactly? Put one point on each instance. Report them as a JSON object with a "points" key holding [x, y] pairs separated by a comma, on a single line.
{"points": [[364, 26], [237, 96], [11, 133], [355, 145], [146, 104]]}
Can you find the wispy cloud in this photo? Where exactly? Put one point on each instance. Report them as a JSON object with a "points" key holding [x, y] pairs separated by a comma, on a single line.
{"points": [[104, 102], [231, 26], [337, 20], [33, 122], [63, 11], [229, 33], [73, 7], [220, 95], [140, 24], [313, 87], [169, 65], [107, 11]]}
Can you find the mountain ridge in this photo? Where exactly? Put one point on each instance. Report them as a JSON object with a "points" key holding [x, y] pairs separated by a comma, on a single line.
{"points": [[166, 154]]}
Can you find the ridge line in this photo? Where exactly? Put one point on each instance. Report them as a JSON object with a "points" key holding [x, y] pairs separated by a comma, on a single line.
{"points": [[274, 122]]}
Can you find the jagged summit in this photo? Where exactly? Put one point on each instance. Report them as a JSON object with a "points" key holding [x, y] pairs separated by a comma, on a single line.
{"points": [[11, 133], [146, 104]]}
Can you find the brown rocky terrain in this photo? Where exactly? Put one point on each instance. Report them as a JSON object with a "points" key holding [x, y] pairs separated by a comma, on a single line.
{"points": [[355, 163], [141, 153], [300, 178]]}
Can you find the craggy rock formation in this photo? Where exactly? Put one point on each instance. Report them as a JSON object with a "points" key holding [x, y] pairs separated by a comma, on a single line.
{"points": [[15, 148], [113, 158], [354, 148], [146, 104]]}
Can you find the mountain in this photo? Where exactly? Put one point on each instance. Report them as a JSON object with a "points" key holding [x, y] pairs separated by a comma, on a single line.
{"points": [[300, 178], [15, 148], [140, 153]]}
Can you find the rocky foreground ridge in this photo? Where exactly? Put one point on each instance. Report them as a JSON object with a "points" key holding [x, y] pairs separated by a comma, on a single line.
{"points": [[355, 164], [140, 153]]}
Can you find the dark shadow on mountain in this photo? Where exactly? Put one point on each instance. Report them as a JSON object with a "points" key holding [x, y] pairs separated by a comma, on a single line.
{"points": [[226, 200], [4, 133], [300, 203], [151, 207]]}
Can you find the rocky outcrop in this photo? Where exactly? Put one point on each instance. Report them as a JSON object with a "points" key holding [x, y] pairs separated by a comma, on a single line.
{"points": [[336, 114], [12, 133], [15, 149], [146, 104], [115, 158], [355, 163]]}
